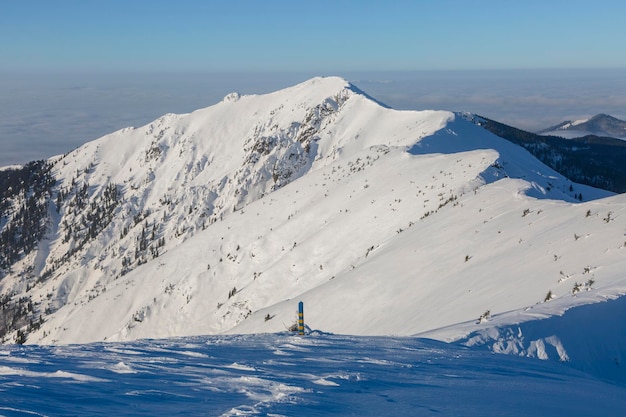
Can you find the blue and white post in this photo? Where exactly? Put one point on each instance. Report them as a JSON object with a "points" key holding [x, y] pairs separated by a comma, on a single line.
{"points": [[301, 318]]}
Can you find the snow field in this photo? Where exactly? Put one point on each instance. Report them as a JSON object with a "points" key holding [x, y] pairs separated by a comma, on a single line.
{"points": [[282, 375]]}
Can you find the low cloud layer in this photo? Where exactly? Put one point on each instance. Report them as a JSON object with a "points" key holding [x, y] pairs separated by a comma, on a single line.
{"points": [[42, 116], [530, 100]]}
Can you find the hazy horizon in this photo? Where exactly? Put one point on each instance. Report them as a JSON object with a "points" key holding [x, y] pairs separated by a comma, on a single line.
{"points": [[46, 114]]}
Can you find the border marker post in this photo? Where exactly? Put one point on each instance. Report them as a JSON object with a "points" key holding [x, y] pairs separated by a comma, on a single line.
{"points": [[301, 318]]}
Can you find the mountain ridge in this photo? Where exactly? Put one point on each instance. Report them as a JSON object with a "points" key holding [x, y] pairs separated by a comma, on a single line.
{"points": [[218, 220], [591, 160]]}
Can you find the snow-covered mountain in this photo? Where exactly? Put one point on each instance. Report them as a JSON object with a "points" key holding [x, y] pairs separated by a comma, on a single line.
{"points": [[383, 222], [599, 125]]}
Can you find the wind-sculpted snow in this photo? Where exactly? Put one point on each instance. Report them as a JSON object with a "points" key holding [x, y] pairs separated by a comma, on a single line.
{"points": [[287, 375], [589, 338]]}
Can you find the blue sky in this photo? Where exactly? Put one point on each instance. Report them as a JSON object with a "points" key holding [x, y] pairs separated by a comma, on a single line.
{"points": [[330, 36]]}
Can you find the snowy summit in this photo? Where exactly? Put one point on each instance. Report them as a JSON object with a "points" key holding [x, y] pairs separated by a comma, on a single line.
{"points": [[382, 222], [217, 223]]}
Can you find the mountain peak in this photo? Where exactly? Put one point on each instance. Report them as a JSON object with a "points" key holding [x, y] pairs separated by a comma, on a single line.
{"points": [[313, 89], [599, 125], [329, 86], [597, 120], [216, 220], [333, 80]]}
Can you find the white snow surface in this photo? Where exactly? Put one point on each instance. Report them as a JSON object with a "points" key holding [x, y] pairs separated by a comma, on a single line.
{"points": [[567, 134], [285, 375], [383, 222], [574, 123]]}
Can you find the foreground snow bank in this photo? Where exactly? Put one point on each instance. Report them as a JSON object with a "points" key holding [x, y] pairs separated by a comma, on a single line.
{"points": [[590, 338], [283, 374]]}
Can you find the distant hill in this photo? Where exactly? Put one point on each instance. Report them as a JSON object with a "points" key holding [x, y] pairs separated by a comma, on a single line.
{"points": [[591, 160], [598, 125]]}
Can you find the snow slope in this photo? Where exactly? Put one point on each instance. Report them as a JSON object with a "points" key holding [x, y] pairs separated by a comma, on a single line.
{"points": [[383, 222], [589, 338], [285, 375]]}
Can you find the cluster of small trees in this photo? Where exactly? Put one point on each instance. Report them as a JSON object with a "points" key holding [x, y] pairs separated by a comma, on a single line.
{"points": [[24, 197], [15, 313], [144, 243], [91, 216]]}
